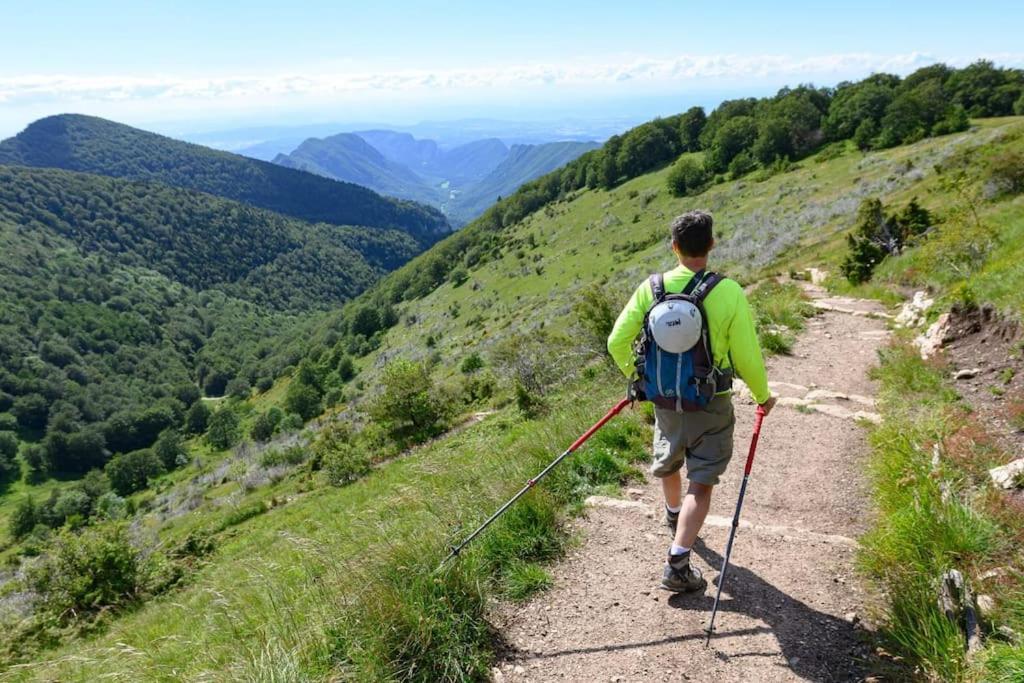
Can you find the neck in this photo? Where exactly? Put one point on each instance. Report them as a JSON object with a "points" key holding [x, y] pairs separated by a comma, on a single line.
{"points": [[694, 263]]}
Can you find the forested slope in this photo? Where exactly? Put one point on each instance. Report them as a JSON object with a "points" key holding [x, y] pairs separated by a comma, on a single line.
{"points": [[93, 145]]}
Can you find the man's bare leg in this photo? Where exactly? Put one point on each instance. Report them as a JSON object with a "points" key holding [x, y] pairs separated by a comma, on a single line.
{"points": [[695, 509], [672, 487]]}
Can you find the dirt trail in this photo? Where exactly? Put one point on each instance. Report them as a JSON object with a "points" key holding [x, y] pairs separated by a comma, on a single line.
{"points": [[788, 606]]}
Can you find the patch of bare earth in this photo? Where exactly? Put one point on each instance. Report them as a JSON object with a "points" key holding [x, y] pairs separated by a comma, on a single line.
{"points": [[986, 354], [791, 601]]}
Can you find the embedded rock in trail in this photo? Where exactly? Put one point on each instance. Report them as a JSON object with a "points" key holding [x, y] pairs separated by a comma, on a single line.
{"points": [[791, 583]]}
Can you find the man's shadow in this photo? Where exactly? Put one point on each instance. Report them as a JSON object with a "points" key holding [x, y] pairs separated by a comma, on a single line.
{"points": [[817, 646]]}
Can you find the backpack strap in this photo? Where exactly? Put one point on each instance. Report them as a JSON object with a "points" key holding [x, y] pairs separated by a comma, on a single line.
{"points": [[707, 283], [697, 278], [658, 286]]}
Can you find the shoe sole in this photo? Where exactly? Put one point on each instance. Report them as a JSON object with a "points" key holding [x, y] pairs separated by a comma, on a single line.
{"points": [[702, 586]]}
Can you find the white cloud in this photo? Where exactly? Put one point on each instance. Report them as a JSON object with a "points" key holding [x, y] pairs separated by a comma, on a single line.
{"points": [[330, 84]]}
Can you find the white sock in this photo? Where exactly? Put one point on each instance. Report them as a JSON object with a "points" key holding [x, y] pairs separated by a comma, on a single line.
{"points": [[678, 550], [674, 510]]}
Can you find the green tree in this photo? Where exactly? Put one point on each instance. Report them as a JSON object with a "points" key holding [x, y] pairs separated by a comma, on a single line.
{"points": [[407, 407], [690, 126], [36, 461], [265, 425], [24, 518], [170, 448], [734, 136], [864, 136], [471, 363], [687, 177], [8, 453], [131, 472], [341, 458], [198, 418], [224, 430], [303, 399]]}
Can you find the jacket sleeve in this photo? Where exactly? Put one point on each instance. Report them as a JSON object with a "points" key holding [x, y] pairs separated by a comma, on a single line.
{"points": [[627, 327], [745, 351]]}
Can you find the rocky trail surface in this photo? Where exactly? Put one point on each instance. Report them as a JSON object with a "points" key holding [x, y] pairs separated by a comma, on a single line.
{"points": [[791, 600]]}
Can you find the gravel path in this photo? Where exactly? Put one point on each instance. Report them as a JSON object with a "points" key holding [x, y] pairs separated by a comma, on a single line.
{"points": [[790, 604]]}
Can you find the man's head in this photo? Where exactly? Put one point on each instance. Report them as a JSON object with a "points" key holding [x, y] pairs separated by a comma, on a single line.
{"points": [[691, 234]]}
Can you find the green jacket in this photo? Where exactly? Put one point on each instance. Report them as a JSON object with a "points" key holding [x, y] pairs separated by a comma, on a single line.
{"points": [[730, 324]]}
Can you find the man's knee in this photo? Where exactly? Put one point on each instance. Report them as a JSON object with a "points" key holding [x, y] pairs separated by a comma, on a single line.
{"points": [[698, 490]]}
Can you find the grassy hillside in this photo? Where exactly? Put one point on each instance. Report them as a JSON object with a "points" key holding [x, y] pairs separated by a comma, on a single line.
{"points": [[275, 595], [93, 145]]}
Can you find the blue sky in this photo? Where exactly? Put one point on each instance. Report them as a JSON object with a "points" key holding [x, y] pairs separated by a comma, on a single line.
{"points": [[214, 64]]}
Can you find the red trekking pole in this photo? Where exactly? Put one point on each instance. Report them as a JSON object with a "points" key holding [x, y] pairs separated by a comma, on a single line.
{"points": [[735, 520], [532, 482]]}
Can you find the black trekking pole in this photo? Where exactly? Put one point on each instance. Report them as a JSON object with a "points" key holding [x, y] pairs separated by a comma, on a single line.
{"points": [[735, 520], [531, 483]]}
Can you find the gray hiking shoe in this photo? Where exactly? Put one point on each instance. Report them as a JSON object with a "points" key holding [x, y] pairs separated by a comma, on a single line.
{"points": [[680, 577], [671, 520]]}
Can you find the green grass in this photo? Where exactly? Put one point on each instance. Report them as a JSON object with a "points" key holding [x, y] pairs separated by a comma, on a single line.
{"points": [[780, 311], [920, 531], [339, 579]]}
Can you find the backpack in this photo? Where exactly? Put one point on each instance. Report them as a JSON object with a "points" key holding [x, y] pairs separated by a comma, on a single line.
{"points": [[683, 382]]}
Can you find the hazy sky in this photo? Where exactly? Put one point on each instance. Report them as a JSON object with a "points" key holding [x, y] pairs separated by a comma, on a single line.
{"points": [[192, 65]]}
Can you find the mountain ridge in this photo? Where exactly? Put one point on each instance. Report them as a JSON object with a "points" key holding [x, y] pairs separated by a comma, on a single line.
{"points": [[88, 144]]}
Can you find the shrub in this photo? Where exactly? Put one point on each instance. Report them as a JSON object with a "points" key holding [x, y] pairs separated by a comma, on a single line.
{"points": [[8, 452], [407, 406], [8, 423], [239, 387], [877, 235], [1006, 172], [687, 177], [198, 417], [224, 429], [471, 363], [37, 461], [85, 573], [131, 472], [24, 518], [171, 450], [595, 312], [295, 455], [341, 458], [111, 506], [303, 399], [266, 424]]}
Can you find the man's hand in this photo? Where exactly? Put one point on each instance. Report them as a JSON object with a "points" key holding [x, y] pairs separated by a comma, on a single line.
{"points": [[768, 405]]}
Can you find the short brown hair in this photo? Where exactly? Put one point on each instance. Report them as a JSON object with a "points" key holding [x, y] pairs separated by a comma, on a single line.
{"points": [[691, 232]]}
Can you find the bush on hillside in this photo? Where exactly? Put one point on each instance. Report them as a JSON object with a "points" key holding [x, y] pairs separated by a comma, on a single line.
{"points": [[878, 235], [224, 430], [343, 459], [198, 418], [86, 573], [170, 449], [1005, 175], [687, 177], [264, 427], [407, 407], [8, 452], [595, 312], [24, 518], [131, 472]]}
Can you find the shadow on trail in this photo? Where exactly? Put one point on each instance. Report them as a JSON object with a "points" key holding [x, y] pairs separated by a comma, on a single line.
{"points": [[817, 646]]}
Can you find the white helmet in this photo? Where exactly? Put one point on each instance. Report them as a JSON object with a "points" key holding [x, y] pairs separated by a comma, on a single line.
{"points": [[675, 325]]}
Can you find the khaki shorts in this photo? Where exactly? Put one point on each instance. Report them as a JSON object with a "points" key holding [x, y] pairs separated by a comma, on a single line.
{"points": [[702, 439]]}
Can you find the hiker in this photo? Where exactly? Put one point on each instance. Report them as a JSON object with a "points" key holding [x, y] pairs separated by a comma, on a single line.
{"points": [[688, 429]]}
